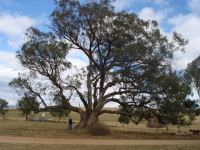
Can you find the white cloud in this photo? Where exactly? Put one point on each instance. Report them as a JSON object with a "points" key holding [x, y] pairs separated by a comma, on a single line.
{"points": [[150, 14], [195, 5], [189, 27], [8, 70], [14, 27], [123, 4], [7, 74], [77, 58], [128, 4], [8, 93], [8, 58]]}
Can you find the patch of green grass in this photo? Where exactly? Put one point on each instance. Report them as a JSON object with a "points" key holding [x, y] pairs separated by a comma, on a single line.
{"points": [[84, 147]]}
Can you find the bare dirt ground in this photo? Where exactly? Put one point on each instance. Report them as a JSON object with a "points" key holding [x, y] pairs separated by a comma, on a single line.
{"points": [[56, 141]]}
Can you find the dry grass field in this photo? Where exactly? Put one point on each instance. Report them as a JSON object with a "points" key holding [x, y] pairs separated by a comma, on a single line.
{"points": [[85, 147], [110, 120], [15, 125]]}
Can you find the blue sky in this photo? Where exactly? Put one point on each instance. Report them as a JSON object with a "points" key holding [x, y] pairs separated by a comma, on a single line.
{"points": [[16, 16]]}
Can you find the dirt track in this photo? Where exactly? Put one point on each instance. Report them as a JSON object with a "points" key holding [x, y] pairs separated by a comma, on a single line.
{"points": [[33, 140]]}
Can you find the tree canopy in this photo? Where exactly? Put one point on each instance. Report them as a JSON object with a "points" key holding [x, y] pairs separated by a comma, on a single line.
{"points": [[129, 60], [59, 112], [28, 104], [3, 107], [193, 73]]}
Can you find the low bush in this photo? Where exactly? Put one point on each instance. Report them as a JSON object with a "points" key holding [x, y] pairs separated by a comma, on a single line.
{"points": [[99, 130]]}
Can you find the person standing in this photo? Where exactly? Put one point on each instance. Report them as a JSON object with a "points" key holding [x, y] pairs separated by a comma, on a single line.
{"points": [[70, 122]]}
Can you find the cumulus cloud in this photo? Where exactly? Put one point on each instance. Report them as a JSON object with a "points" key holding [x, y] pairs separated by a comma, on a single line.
{"points": [[14, 27], [9, 68], [9, 59], [128, 4], [194, 5], [77, 58], [150, 14], [8, 93], [189, 26], [123, 4]]}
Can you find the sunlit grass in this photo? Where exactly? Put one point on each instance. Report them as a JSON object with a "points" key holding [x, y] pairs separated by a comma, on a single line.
{"points": [[89, 147], [15, 125]]}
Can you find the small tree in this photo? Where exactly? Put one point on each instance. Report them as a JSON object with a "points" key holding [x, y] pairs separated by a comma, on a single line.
{"points": [[3, 106], [60, 112], [27, 105], [172, 112], [191, 109], [123, 119], [177, 112]]}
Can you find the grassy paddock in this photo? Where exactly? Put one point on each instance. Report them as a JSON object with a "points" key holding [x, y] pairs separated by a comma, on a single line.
{"points": [[58, 130], [83, 147], [15, 125], [111, 121]]}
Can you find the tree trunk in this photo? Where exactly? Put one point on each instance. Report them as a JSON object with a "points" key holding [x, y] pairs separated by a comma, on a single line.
{"points": [[87, 120], [26, 117], [167, 128], [59, 119]]}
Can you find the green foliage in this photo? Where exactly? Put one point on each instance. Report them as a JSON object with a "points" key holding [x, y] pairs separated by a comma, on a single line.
{"points": [[27, 105], [123, 119], [177, 112], [60, 112], [191, 109], [135, 114], [3, 106], [123, 52], [176, 107], [193, 73], [172, 112], [44, 50]]}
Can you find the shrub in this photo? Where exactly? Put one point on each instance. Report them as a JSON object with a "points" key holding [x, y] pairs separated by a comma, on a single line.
{"points": [[99, 130]]}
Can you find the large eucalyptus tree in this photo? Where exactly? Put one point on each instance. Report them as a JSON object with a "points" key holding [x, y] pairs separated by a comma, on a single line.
{"points": [[128, 60]]}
